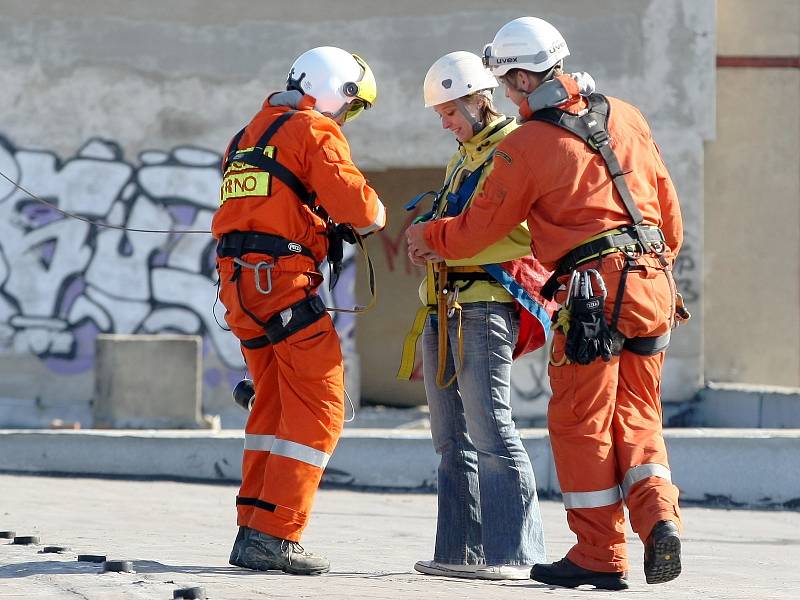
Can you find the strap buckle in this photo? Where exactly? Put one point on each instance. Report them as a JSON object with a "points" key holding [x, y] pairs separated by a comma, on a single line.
{"points": [[598, 139]]}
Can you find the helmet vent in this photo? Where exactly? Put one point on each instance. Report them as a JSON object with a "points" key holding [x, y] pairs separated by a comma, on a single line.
{"points": [[447, 83]]}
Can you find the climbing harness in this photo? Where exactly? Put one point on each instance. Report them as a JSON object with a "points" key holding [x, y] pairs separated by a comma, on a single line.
{"points": [[633, 240], [444, 282], [262, 157]]}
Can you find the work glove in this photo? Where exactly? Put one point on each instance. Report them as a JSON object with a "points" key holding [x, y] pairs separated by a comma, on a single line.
{"points": [[293, 99], [588, 336], [556, 91]]}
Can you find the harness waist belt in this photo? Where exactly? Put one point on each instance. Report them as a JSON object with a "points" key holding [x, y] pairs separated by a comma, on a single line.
{"points": [[238, 243], [641, 237], [465, 273], [451, 277]]}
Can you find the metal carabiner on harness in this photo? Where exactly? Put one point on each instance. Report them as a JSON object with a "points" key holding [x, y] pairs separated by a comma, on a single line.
{"points": [[452, 299], [573, 288], [263, 264], [598, 279]]}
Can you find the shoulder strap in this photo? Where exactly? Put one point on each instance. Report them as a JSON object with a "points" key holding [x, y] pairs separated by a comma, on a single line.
{"points": [[233, 147], [456, 201], [273, 128], [592, 128], [258, 159]]}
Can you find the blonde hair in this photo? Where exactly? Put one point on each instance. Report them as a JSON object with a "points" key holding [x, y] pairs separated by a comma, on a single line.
{"points": [[483, 101]]}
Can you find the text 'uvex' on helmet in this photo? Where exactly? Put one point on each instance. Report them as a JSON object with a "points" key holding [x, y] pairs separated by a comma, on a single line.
{"points": [[526, 43]]}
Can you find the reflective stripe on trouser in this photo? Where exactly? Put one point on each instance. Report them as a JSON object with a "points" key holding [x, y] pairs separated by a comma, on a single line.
{"points": [[594, 499], [287, 448], [612, 495], [605, 431]]}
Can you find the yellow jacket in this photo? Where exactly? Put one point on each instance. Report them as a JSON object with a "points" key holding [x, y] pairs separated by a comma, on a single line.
{"points": [[470, 156]]}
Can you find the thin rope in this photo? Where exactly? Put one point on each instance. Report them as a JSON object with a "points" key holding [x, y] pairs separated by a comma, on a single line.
{"points": [[92, 222]]}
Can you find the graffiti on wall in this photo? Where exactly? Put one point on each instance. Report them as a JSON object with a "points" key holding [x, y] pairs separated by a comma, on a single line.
{"points": [[63, 280], [685, 274]]}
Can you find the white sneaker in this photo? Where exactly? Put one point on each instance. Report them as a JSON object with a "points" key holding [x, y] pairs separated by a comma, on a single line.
{"points": [[503, 572], [431, 567]]}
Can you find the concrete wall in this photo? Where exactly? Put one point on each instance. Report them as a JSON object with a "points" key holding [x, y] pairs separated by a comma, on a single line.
{"points": [[756, 468], [752, 196], [118, 111]]}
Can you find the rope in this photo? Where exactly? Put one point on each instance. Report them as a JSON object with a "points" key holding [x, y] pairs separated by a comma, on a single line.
{"points": [[91, 221]]}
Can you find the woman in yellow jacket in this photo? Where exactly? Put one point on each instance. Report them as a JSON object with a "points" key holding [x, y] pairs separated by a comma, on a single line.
{"points": [[480, 313], [489, 525]]}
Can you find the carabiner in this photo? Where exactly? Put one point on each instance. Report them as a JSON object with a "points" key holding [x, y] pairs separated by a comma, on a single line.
{"points": [[452, 299], [573, 288], [267, 266], [598, 278]]}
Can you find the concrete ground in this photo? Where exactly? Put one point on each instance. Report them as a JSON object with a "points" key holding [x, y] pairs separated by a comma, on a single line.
{"points": [[179, 535]]}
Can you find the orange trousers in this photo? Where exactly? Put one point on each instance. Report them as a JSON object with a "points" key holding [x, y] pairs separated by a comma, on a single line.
{"points": [[606, 428], [298, 413]]}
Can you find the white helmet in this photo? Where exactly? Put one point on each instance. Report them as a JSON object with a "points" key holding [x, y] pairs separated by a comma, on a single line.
{"points": [[525, 43], [341, 83], [456, 75]]}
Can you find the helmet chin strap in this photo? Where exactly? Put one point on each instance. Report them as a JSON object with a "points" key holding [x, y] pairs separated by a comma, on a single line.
{"points": [[548, 75], [476, 124]]}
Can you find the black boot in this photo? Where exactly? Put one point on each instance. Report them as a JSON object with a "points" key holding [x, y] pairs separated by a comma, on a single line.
{"points": [[662, 553], [237, 547], [566, 573]]}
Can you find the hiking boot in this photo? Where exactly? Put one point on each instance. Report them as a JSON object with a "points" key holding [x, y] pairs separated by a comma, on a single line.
{"points": [[263, 552], [431, 567], [566, 573], [503, 572], [662, 553], [237, 547]]}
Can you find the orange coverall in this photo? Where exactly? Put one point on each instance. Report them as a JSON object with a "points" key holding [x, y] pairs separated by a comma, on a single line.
{"points": [[299, 407], [604, 418]]}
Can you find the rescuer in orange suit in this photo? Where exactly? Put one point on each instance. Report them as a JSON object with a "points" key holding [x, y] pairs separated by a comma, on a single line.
{"points": [[286, 176], [604, 417]]}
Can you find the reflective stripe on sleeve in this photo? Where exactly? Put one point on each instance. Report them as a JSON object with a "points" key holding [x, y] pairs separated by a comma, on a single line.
{"points": [[262, 443], [640, 472], [305, 454], [378, 223], [594, 499]]}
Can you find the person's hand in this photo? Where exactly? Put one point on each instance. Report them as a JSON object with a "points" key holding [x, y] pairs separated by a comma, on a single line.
{"points": [[416, 259], [418, 249], [682, 314]]}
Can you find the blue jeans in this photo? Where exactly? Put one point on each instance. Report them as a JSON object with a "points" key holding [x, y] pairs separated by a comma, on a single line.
{"points": [[488, 507]]}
